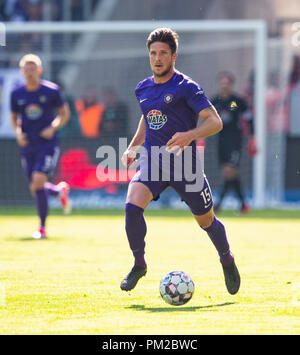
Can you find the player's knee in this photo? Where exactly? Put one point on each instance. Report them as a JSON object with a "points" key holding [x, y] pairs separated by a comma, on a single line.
{"points": [[37, 182], [36, 185], [206, 223], [138, 195], [206, 220]]}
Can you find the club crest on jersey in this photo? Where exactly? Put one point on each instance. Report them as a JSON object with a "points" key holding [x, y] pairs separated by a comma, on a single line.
{"points": [[168, 98], [42, 99], [156, 119]]}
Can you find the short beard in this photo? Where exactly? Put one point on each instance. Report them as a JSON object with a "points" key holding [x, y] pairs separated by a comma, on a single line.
{"points": [[167, 71]]}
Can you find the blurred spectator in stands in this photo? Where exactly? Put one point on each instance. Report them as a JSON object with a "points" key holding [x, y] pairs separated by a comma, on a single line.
{"points": [[294, 77], [76, 10], [34, 10], [277, 97], [28, 10], [249, 91], [115, 117], [15, 10], [90, 112], [72, 128], [158, 9], [292, 101], [24, 10], [56, 10], [277, 109], [2, 11]]}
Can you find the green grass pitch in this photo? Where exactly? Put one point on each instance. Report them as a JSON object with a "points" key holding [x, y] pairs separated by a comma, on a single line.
{"points": [[69, 284]]}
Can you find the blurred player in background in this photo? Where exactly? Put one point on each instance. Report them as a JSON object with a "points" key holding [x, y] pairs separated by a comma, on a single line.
{"points": [[233, 111], [38, 111], [115, 116], [171, 104]]}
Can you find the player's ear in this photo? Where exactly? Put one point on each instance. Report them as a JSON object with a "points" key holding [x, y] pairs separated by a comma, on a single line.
{"points": [[40, 70], [174, 56]]}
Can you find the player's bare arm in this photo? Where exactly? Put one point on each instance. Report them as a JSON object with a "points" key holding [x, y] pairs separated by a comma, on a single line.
{"points": [[211, 125], [20, 136], [60, 120], [138, 139]]}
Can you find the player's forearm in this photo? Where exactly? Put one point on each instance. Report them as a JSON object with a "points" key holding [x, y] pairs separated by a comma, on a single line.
{"points": [[211, 124], [139, 137], [137, 141], [209, 127], [62, 118], [58, 122], [14, 122]]}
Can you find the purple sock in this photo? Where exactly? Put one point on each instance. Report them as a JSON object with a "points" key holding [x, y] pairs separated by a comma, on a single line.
{"points": [[227, 259], [217, 234], [51, 189], [136, 230], [140, 261], [42, 205]]}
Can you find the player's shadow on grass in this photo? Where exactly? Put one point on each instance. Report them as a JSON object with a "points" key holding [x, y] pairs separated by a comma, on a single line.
{"points": [[177, 308], [21, 239], [30, 239]]}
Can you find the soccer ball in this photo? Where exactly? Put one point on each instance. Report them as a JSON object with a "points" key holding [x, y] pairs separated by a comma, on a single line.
{"points": [[176, 288]]}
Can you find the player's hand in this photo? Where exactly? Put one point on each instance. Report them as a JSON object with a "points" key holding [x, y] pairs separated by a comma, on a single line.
{"points": [[48, 132], [128, 157], [21, 139], [180, 141], [252, 147]]}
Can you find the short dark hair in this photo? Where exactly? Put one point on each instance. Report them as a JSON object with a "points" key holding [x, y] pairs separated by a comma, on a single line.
{"points": [[165, 35]]}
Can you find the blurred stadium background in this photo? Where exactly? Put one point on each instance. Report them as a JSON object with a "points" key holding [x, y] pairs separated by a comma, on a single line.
{"points": [[103, 68]]}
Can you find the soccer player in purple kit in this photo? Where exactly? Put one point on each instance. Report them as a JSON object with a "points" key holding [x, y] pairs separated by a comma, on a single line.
{"points": [[171, 103], [38, 111]]}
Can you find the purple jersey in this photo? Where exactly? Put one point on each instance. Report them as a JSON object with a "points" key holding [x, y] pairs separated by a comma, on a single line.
{"points": [[169, 107], [37, 109]]}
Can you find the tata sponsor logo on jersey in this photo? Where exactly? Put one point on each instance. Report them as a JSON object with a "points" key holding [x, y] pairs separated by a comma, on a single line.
{"points": [[156, 119], [33, 111]]}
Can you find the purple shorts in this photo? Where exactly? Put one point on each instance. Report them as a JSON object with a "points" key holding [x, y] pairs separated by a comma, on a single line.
{"points": [[42, 159], [199, 202]]}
